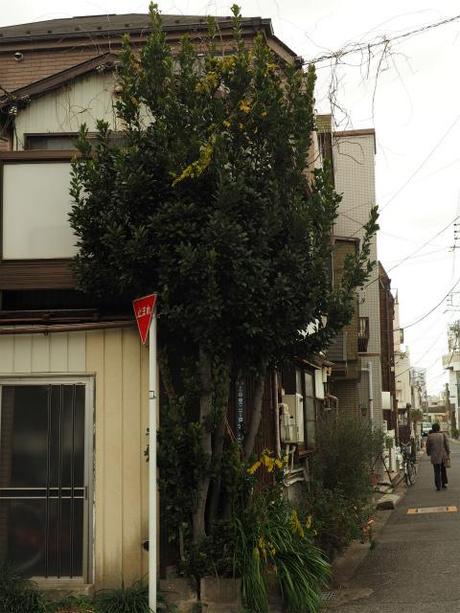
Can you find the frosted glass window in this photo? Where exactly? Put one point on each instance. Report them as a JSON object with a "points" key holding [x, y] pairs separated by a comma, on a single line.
{"points": [[36, 203]]}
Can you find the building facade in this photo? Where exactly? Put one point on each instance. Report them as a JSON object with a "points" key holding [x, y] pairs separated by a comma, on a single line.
{"points": [[353, 161]]}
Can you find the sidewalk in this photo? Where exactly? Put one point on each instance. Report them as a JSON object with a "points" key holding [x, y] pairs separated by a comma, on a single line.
{"points": [[414, 567]]}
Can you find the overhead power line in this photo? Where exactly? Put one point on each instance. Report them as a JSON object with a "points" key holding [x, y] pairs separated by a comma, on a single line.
{"points": [[414, 323], [421, 165], [413, 253], [382, 42]]}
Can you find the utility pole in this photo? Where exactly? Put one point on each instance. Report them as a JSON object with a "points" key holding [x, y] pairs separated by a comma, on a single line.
{"points": [[451, 412]]}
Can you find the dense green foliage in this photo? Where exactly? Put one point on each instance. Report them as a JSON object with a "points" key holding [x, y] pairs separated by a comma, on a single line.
{"points": [[207, 201], [339, 501]]}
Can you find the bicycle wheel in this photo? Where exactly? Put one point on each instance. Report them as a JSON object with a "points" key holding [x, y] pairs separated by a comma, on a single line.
{"points": [[411, 473]]}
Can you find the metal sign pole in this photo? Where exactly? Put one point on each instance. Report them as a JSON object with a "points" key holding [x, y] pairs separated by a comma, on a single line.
{"points": [[153, 463]]}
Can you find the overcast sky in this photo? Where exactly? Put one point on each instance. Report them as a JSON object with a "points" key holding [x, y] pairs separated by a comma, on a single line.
{"points": [[414, 107]]}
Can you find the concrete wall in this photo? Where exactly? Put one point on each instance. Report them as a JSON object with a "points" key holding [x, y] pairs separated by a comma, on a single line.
{"points": [[118, 365]]}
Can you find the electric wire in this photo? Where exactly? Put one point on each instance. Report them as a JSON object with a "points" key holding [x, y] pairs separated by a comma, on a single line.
{"points": [[383, 42], [420, 319], [421, 165]]}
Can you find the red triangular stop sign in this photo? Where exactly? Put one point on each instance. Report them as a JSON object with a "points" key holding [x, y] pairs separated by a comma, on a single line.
{"points": [[143, 310]]}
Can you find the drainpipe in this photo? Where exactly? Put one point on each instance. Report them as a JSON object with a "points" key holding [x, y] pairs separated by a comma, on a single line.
{"points": [[371, 393], [277, 415]]}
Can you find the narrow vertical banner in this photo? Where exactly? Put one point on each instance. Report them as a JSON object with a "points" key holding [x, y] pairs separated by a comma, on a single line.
{"points": [[145, 312]]}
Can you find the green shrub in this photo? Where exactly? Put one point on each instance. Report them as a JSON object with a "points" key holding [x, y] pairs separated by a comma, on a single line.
{"points": [[347, 449], [19, 595], [338, 503], [264, 540], [214, 554], [72, 604], [133, 599], [334, 519]]}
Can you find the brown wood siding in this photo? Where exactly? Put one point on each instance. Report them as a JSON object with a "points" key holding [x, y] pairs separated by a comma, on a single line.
{"points": [[36, 274]]}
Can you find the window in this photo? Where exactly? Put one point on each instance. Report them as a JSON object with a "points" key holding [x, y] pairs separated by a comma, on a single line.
{"points": [[35, 207], [65, 141], [52, 142]]}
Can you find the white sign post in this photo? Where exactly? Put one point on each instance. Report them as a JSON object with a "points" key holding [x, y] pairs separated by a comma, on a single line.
{"points": [[153, 464], [144, 310]]}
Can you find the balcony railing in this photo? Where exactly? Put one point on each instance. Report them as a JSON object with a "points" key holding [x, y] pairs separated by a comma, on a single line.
{"points": [[363, 334]]}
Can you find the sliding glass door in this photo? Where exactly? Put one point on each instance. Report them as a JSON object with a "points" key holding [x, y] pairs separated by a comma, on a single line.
{"points": [[44, 478]]}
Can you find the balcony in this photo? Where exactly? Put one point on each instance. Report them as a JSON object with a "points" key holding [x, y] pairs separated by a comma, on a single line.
{"points": [[452, 360], [363, 334]]}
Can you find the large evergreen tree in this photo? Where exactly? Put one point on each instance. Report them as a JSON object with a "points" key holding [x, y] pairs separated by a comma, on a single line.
{"points": [[208, 202]]}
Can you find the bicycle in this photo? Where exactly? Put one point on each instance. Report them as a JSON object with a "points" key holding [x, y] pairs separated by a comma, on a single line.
{"points": [[409, 466]]}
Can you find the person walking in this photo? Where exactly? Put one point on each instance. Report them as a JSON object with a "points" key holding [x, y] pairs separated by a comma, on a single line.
{"points": [[437, 447]]}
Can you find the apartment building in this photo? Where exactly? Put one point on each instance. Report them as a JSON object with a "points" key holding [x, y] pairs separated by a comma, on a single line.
{"points": [[356, 352]]}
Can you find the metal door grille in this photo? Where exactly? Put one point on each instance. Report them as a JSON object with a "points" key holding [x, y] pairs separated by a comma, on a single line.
{"points": [[42, 479]]}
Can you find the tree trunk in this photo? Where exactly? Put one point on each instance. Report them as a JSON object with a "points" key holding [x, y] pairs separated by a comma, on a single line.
{"points": [[205, 372], [256, 416], [218, 451], [165, 374]]}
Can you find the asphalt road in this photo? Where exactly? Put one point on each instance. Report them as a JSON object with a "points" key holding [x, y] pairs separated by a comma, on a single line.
{"points": [[415, 567]]}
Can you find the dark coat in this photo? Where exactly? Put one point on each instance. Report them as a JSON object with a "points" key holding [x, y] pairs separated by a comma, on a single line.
{"points": [[437, 447]]}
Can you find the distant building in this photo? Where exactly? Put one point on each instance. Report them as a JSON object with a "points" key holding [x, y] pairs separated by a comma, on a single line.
{"points": [[418, 388], [387, 344], [451, 363]]}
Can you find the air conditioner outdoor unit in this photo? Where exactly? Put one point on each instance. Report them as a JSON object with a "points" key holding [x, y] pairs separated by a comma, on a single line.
{"points": [[295, 405], [288, 427]]}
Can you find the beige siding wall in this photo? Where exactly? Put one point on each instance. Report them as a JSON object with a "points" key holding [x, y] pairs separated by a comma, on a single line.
{"points": [[62, 353], [119, 365], [85, 100]]}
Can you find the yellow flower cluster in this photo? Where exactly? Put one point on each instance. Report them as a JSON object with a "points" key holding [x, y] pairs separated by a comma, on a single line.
{"points": [[208, 83], [296, 525], [244, 106], [265, 548], [195, 169], [227, 63], [268, 460]]}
